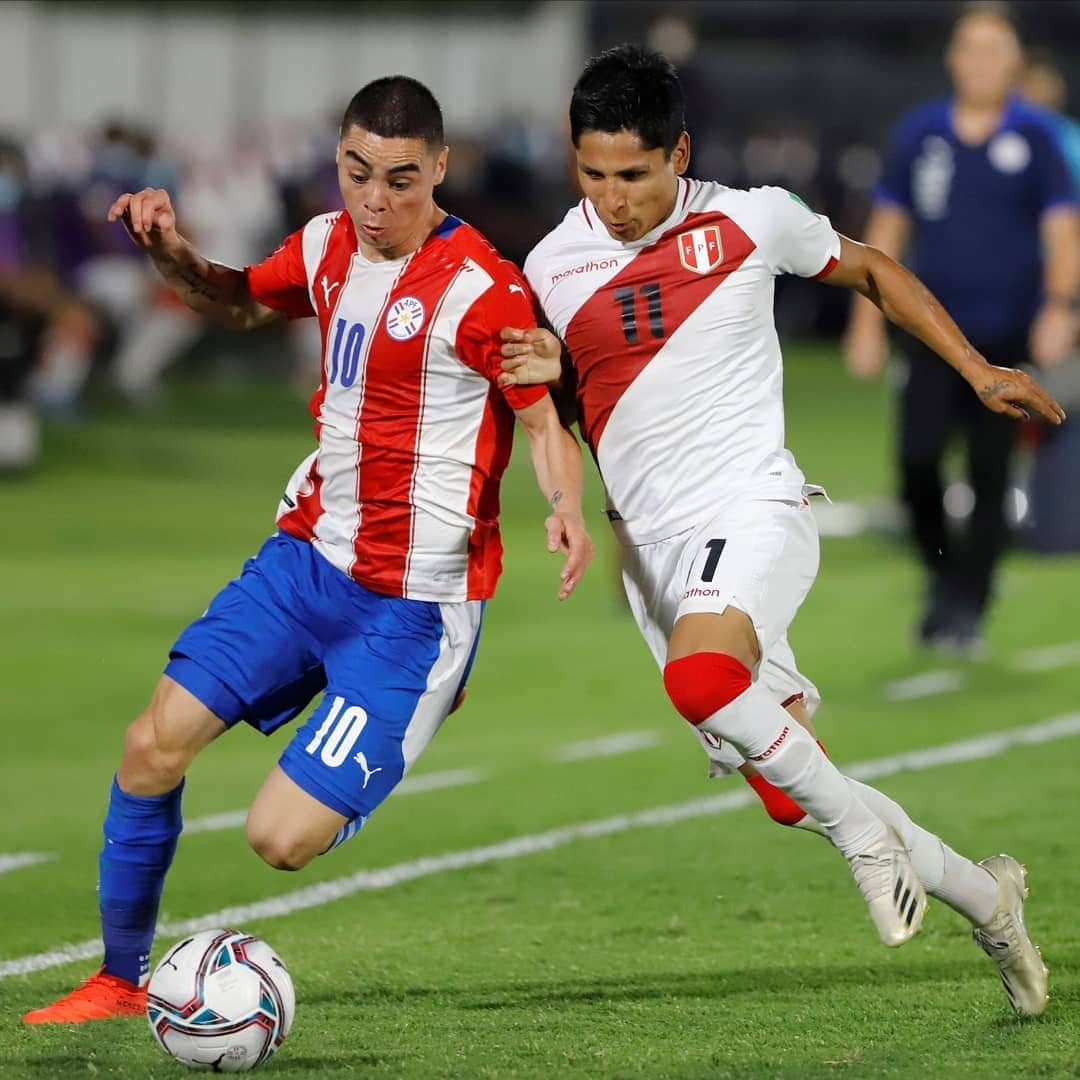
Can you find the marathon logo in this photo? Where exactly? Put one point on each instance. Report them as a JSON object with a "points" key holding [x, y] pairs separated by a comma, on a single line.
{"points": [[776, 744], [589, 267], [696, 590]]}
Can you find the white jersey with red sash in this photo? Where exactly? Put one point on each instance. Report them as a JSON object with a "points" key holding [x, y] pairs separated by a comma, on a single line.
{"points": [[402, 493], [680, 382]]}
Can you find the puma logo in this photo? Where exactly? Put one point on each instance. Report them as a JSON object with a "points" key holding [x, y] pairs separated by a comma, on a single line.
{"points": [[362, 761], [328, 288], [517, 288]]}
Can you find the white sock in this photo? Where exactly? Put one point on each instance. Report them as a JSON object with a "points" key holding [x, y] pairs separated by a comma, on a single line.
{"points": [[785, 753], [808, 824], [965, 886]]}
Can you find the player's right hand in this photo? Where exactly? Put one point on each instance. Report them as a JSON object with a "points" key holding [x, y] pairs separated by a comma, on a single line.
{"points": [[566, 532], [865, 348], [530, 357], [149, 218]]}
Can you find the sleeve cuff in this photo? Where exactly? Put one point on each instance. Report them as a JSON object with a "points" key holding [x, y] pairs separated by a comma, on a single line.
{"points": [[827, 269]]}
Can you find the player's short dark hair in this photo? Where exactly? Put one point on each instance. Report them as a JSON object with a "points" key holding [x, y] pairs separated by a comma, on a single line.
{"points": [[397, 107], [630, 88]]}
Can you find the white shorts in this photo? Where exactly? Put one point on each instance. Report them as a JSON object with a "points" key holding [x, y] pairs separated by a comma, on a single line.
{"points": [[760, 556]]}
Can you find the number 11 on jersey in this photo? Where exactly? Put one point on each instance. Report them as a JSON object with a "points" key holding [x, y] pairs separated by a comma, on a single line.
{"points": [[627, 300]]}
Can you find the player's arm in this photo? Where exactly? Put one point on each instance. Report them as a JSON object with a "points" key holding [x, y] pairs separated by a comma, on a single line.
{"points": [[907, 302], [556, 458], [534, 356], [866, 343], [1053, 333], [219, 292]]}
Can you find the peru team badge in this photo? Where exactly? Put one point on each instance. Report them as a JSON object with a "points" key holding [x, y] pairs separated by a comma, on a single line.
{"points": [[700, 250], [405, 318]]}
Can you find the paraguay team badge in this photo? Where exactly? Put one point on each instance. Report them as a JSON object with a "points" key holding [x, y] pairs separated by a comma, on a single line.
{"points": [[405, 318], [700, 250]]}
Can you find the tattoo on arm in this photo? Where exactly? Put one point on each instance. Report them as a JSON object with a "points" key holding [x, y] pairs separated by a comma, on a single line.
{"points": [[556, 498], [198, 285]]}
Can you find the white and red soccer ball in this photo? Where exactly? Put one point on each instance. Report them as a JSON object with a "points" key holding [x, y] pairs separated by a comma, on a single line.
{"points": [[221, 1000]]}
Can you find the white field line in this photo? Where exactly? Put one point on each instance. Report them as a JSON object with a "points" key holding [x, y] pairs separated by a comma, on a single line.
{"points": [[976, 749], [925, 685], [610, 746], [1032, 661], [17, 860], [1049, 657], [411, 785], [228, 819], [414, 785]]}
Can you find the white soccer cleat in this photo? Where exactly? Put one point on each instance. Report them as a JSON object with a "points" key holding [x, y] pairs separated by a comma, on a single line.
{"points": [[1004, 938], [891, 888]]}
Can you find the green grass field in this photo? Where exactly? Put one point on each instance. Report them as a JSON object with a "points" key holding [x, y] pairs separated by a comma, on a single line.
{"points": [[720, 945]]}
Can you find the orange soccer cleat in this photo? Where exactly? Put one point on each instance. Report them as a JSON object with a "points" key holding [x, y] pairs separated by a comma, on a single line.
{"points": [[101, 997]]}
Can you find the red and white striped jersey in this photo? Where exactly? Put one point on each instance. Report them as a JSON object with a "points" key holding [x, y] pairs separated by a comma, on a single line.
{"points": [[680, 382], [402, 493]]}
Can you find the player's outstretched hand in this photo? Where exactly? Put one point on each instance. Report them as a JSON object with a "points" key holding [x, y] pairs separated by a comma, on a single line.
{"points": [[149, 218], [530, 357], [1014, 393], [566, 532]]}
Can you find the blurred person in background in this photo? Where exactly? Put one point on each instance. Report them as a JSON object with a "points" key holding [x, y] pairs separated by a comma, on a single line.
{"points": [[1056, 520], [152, 326], [47, 334], [1044, 85], [978, 184]]}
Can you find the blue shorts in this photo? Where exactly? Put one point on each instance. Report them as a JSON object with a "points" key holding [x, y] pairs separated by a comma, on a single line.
{"points": [[293, 625]]}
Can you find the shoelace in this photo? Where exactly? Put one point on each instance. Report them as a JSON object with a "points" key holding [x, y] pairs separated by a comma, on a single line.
{"points": [[873, 873], [988, 939]]}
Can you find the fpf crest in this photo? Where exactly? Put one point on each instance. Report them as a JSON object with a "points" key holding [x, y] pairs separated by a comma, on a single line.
{"points": [[701, 250]]}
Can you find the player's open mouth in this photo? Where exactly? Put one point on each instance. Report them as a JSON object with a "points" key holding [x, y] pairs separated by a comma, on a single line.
{"points": [[624, 227]]}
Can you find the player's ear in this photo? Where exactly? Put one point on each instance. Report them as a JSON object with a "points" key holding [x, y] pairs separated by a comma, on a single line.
{"points": [[680, 156], [440, 165]]}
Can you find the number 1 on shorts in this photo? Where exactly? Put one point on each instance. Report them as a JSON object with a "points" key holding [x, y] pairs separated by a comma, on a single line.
{"points": [[716, 548]]}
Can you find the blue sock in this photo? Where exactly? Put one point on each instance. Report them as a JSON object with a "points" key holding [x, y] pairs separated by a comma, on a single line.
{"points": [[140, 839]]}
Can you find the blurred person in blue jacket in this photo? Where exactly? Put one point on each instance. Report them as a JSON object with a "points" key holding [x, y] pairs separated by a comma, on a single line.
{"points": [[976, 189]]}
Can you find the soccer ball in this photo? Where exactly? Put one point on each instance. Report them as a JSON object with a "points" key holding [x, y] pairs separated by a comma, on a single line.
{"points": [[221, 1000]]}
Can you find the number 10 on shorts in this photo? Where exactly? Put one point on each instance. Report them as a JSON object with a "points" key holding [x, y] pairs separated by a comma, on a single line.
{"points": [[338, 733]]}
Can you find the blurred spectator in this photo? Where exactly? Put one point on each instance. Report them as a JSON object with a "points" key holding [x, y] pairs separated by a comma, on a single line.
{"points": [[46, 334], [1057, 454], [1044, 85], [151, 327], [980, 186]]}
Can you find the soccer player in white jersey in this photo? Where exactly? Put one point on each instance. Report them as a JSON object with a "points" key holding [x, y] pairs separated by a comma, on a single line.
{"points": [[661, 289], [373, 587]]}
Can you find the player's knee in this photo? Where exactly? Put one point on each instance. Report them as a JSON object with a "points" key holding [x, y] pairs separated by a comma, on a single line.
{"points": [[278, 847], [704, 683]]}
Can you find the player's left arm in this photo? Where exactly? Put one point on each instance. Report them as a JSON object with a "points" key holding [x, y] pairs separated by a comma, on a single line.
{"points": [[556, 458], [908, 303]]}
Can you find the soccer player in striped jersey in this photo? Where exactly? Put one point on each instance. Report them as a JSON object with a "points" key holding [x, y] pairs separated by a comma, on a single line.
{"points": [[373, 587], [661, 288]]}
